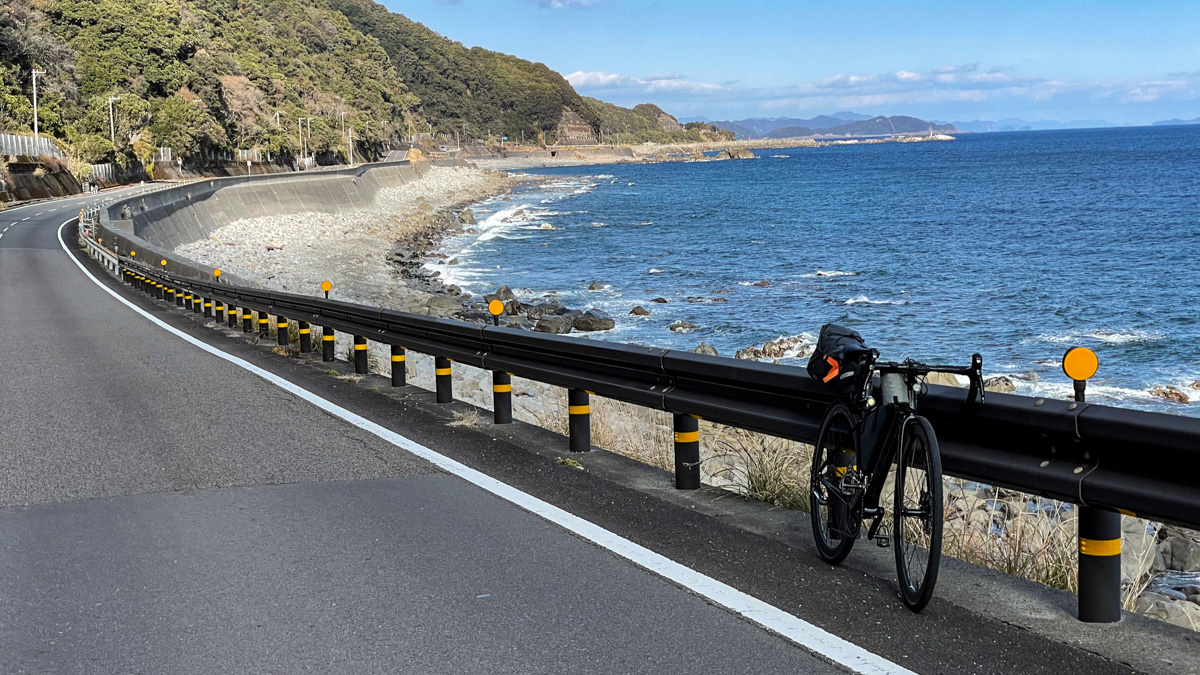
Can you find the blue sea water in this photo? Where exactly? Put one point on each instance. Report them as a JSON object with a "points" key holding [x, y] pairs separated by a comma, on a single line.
{"points": [[1015, 245]]}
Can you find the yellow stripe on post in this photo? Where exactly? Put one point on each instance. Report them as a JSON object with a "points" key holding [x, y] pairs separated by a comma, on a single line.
{"points": [[397, 358], [687, 436], [580, 409], [501, 388], [306, 331], [359, 348], [1099, 547], [327, 338], [1126, 513], [442, 371]]}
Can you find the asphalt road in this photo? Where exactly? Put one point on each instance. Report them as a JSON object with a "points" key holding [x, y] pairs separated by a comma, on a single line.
{"points": [[162, 510]]}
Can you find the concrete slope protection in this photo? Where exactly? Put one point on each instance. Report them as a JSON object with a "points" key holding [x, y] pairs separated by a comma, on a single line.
{"points": [[167, 510]]}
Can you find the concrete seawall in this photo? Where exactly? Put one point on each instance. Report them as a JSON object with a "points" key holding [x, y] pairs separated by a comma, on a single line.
{"points": [[154, 224]]}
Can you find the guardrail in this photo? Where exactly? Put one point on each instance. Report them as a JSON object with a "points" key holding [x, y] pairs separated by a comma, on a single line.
{"points": [[1112, 459]]}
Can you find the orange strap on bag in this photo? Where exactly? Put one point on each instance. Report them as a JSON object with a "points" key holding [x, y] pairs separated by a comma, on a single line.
{"points": [[835, 368]]}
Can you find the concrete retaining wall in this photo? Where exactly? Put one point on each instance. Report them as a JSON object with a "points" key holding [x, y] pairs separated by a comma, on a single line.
{"points": [[155, 223]]}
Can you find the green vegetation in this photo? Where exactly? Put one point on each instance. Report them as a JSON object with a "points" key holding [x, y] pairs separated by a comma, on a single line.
{"points": [[475, 91], [649, 123], [123, 77]]}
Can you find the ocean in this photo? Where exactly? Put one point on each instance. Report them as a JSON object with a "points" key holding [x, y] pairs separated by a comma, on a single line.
{"points": [[1014, 245]]}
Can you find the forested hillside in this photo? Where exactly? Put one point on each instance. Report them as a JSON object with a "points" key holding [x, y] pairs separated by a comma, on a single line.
{"points": [[230, 74], [648, 122]]}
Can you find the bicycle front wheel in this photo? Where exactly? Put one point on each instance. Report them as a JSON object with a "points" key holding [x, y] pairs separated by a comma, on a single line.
{"points": [[835, 452], [917, 518]]}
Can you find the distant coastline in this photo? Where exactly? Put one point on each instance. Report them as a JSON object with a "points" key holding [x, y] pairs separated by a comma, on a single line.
{"points": [[648, 153]]}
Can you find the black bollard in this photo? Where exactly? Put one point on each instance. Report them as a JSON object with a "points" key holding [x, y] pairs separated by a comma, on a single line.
{"points": [[687, 452], [502, 397], [579, 422], [445, 384], [399, 367], [360, 355]]}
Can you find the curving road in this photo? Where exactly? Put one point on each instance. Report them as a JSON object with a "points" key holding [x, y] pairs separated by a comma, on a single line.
{"points": [[165, 508], [166, 511]]}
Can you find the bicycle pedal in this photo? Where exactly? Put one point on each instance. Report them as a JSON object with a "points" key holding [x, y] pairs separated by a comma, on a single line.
{"points": [[883, 541]]}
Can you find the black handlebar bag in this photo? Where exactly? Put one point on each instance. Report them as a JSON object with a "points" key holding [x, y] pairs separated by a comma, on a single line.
{"points": [[828, 363]]}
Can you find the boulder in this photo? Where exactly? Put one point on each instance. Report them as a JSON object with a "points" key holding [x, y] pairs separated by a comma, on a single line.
{"points": [[593, 320], [1001, 384], [511, 321], [1177, 612], [682, 326], [1195, 385], [504, 294], [944, 379], [512, 307], [705, 348], [444, 306], [761, 284], [535, 312], [1184, 554], [639, 311], [661, 301], [1170, 393], [551, 323], [595, 286], [467, 217]]}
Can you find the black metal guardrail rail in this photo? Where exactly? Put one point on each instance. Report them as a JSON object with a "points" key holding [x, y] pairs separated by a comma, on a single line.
{"points": [[1134, 462]]}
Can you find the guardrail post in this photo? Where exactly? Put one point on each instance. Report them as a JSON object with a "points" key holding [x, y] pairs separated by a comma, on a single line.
{"points": [[360, 355], [1099, 530], [281, 331], [264, 324], [208, 309], [247, 320], [197, 304], [327, 336], [579, 423], [1099, 565], [399, 367], [445, 385], [162, 291], [219, 311], [501, 397], [178, 298], [233, 316], [305, 337], [687, 452]]}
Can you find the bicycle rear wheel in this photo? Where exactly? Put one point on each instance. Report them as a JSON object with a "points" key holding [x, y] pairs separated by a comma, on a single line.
{"points": [[835, 451], [917, 518]]}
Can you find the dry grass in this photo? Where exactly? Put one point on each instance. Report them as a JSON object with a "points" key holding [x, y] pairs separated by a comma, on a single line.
{"points": [[1022, 535], [467, 418], [635, 432], [291, 352], [767, 468]]}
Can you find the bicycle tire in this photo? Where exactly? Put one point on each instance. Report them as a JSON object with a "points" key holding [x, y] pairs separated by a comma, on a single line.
{"points": [[836, 434], [918, 501]]}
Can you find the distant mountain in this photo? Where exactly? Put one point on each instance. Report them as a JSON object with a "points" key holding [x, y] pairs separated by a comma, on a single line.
{"points": [[790, 132], [770, 127], [883, 126], [1016, 124], [1175, 122]]}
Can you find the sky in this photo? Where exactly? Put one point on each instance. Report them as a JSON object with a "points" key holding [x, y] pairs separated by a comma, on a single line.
{"points": [[1123, 62]]}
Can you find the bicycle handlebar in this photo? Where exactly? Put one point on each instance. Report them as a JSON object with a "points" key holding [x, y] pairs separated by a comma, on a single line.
{"points": [[974, 371]]}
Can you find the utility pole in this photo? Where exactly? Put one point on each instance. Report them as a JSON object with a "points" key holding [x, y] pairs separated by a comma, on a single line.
{"points": [[351, 146], [36, 72], [112, 125], [277, 119]]}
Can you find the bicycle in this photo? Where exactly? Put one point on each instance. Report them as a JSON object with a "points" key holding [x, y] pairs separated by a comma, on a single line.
{"points": [[858, 442]]}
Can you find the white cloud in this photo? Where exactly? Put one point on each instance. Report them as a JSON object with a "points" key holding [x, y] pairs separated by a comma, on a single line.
{"points": [[566, 4], [666, 82]]}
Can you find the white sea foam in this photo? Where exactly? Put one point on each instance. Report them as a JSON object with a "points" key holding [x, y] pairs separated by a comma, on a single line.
{"points": [[603, 175], [599, 224], [864, 300], [499, 223], [645, 222], [655, 270], [1105, 336], [829, 273]]}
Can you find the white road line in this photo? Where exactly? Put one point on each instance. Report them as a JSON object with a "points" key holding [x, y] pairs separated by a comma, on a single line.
{"points": [[26, 218], [38, 214], [812, 638]]}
